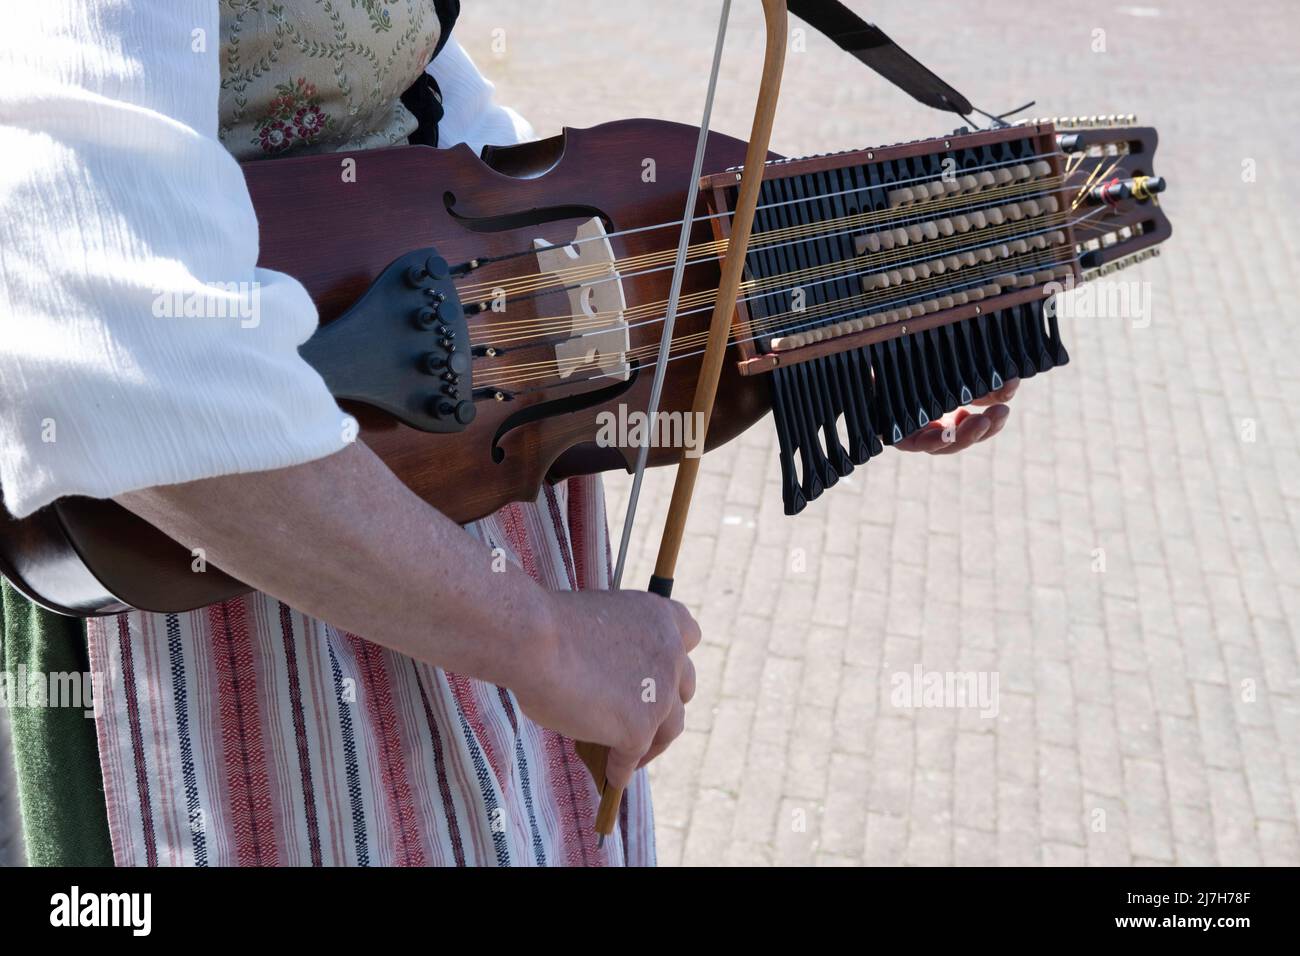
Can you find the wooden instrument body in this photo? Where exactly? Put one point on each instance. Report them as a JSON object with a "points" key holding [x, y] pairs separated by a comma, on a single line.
{"points": [[336, 221], [335, 230]]}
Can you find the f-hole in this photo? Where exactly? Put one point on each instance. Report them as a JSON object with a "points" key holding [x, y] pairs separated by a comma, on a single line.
{"points": [[526, 217], [561, 406]]}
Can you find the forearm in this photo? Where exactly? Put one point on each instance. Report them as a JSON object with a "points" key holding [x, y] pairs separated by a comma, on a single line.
{"points": [[342, 539]]}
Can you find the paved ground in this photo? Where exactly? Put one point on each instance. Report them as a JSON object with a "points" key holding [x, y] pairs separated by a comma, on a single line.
{"points": [[1147, 713]]}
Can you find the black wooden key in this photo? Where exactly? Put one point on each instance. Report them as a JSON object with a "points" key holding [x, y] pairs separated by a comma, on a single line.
{"points": [[886, 417], [829, 410], [970, 366], [860, 392], [984, 347], [792, 497], [1056, 348], [998, 322], [826, 476]]}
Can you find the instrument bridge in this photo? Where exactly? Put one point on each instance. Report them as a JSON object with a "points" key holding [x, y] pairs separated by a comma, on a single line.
{"points": [[598, 330]]}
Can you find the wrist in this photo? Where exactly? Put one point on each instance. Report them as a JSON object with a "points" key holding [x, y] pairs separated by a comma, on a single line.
{"points": [[535, 641]]}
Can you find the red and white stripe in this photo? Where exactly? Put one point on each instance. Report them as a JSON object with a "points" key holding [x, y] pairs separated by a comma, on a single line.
{"points": [[248, 734]]}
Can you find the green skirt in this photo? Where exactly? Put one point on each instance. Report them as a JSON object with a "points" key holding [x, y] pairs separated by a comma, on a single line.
{"points": [[56, 756]]}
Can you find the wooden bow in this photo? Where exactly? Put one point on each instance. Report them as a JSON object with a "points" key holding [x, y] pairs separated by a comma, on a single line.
{"points": [[733, 264]]}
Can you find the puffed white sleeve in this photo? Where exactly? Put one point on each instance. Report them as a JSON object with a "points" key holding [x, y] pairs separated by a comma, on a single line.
{"points": [[470, 114], [139, 343]]}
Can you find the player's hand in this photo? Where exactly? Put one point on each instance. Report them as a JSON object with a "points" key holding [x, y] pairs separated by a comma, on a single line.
{"points": [[966, 426]]}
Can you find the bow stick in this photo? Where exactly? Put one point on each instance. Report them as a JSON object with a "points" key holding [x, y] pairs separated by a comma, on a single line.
{"points": [[733, 264]]}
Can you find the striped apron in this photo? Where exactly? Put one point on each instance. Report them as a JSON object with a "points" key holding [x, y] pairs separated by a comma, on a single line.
{"points": [[246, 733]]}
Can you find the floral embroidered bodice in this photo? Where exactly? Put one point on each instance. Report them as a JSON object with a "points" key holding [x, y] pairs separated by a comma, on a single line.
{"points": [[320, 75]]}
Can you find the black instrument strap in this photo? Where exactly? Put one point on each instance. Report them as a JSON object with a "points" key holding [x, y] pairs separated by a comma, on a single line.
{"points": [[869, 44]]}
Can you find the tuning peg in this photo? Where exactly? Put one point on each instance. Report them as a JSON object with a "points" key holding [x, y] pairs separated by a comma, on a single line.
{"points": [[1140, 188], [462, 411]]}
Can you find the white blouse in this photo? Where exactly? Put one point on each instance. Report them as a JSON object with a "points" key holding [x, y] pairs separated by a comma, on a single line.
{"points": [[139, 343]]}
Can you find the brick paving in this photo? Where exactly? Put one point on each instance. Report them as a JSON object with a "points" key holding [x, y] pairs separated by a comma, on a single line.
{"points": [[1148, 713]]}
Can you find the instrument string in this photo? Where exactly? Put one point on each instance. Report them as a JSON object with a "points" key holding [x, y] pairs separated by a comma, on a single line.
{"points": [[518, 373], [760, 327], [697, 338], [1097, 175], [506, 332], [865, 265], [725, 214], [995, 267], [934, 287], [921, 212], [482, 287], [560, 323], [611, 270]]}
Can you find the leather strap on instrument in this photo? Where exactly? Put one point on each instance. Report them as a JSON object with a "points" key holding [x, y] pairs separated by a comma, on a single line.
{"points": [[869, 43]]}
